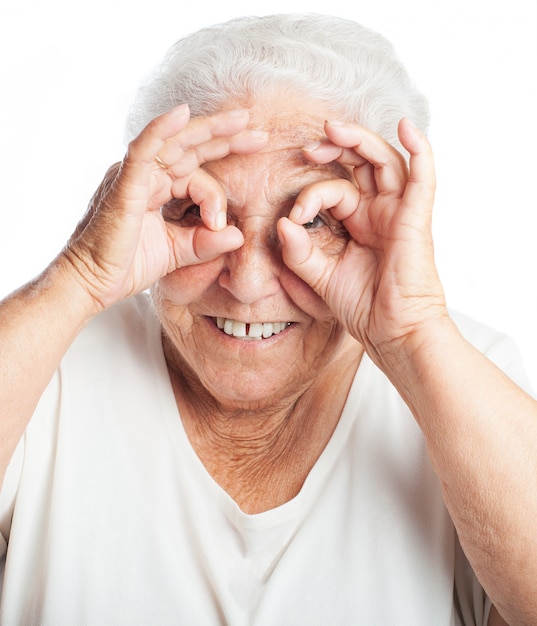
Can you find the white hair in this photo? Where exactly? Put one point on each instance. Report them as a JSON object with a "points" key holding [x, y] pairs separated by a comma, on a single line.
{"points": [[350, 69]]}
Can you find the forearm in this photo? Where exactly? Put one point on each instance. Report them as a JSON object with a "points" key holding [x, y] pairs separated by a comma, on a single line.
{"points": [[481, 432], [38, 322]]}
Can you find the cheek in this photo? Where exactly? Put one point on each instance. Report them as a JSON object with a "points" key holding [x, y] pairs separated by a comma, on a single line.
{"points": [[188, 284]]}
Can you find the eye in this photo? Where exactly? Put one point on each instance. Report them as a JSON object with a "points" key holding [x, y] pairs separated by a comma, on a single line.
{"points": [[327, 232], [316, 222], [181, 211], [192, 211]]}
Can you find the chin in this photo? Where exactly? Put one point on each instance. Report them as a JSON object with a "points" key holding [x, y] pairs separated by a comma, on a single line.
{"points": [[239, 388]]}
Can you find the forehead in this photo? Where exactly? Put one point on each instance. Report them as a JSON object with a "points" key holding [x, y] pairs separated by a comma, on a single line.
{"points": [[281, 162], [290, 123], [293, 129]]}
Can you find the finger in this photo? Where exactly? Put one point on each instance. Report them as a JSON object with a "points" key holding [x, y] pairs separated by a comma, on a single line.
{"points": [[303, 258], [207, 193], [389, 166], [420, 190], [155, 135], [131, 185], [202, 130], [324, 151], [246, 142], [198, 244], [421, 164], [340, 196]]}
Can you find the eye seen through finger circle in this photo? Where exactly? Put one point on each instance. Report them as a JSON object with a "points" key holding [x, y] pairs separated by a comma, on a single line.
{"points": [[316, 222], [183, 212], [327, 232]]}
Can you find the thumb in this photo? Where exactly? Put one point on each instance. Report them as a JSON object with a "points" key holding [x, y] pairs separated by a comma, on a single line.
{"points": [[303, 258]]}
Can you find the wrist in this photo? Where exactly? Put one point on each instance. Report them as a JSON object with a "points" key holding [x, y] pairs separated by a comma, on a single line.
{"points": [[416, 360], [63, 286]]}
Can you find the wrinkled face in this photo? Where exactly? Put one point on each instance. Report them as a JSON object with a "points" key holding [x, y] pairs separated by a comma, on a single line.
{"points": [[248, 328]]}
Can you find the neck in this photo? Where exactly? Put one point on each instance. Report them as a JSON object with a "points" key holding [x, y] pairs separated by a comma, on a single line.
{"points": [[262, 454]]}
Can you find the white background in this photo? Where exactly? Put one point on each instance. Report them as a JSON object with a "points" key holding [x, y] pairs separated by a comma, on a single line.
{"points": [[69, 70]]}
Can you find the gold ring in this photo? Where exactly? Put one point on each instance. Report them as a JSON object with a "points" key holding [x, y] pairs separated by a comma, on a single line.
{"points": [[161, 163]]}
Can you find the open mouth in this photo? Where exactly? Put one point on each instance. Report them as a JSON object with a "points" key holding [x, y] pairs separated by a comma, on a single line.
{"points": [[256, 330]]}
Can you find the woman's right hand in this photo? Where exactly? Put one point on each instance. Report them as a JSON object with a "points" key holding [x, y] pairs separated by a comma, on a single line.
{"points": [[123, 244]]}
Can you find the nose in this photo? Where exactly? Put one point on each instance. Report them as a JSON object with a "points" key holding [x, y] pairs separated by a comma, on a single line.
{"points": [[251, 273]]}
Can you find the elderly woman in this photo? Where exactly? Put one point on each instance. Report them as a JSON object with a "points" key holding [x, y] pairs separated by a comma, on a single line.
{"points": [[292, 428]]}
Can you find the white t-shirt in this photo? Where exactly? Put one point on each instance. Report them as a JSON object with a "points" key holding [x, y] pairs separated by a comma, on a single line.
{"points": [[111, 519]]}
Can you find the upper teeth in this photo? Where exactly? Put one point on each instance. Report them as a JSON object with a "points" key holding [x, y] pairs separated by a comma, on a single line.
{"points": [[257, 330]]}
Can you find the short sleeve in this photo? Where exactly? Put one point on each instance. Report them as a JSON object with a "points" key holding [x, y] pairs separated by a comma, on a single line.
{"points": [[47, 405], [501, 349], [504, 352], [471, 602], [8, 494]]}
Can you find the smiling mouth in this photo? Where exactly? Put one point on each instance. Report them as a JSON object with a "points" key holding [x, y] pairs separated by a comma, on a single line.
{"points": [[255, 331]]}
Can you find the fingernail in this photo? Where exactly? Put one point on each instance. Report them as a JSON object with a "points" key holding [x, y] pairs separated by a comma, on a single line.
{"points": [[220, 221], [281, 237], [311, 146], [260, 134], [295, 213], [335, 122], [181, 109], [237, 112]]}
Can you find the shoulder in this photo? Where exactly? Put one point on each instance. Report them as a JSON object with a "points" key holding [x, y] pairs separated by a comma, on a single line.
{"points": [[129, 327], [496, 346], [127, 318], [480, 335], [119, 353]]}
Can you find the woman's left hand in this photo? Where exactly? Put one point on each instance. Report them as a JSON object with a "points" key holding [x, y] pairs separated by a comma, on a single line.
{"points": [[384, 287], [480, 428]]}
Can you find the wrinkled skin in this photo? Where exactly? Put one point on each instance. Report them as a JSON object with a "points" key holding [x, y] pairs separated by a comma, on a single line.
{"points": [[362, 267], [324, 227]]}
